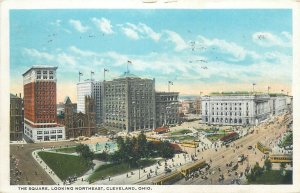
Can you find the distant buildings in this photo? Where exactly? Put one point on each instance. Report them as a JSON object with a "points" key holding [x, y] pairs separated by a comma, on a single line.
{"points": [[40, 118], [93, 89], [241, 109], [166, 108], [16, 118]]}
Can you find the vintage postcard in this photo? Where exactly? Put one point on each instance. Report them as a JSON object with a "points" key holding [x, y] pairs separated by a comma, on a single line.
{"points": [[130, 97]]}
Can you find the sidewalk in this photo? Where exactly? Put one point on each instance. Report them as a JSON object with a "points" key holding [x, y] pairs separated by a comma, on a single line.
{"points": [[141, 175], [37, 158]]}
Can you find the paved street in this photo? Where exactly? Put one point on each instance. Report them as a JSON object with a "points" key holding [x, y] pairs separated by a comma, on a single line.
{"points": [[224, 155], [25, 169]]}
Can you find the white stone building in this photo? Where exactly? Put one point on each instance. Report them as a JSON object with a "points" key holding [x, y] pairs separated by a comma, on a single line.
{"points": [[238, 109]]}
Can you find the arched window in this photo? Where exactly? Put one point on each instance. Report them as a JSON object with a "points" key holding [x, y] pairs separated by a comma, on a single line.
{"points": [[80, 123]]}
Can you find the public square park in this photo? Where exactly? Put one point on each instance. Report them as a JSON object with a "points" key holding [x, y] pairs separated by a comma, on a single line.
{"points": [[145, 158]]}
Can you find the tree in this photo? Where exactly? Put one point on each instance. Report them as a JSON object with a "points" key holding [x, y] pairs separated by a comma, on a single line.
{"points": [[142, 145], [282, 168], [85, 152], [165, 150], [268, 165], [257, 170]]}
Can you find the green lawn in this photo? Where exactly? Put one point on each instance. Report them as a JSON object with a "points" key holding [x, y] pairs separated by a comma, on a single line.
{"points": [[215, 137], [184, 138], [181, 132], [274, 177], [67, 149], [116, 169], [65, 165]]}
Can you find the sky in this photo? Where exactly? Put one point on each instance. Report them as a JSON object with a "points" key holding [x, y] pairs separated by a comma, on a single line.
{"points": [[198, 50]]}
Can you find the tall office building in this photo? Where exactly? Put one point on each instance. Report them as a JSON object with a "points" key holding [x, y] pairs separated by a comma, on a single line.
{"points": [[93, 89], [83, 89], [40, 119], [129, 103], [166, 108]]}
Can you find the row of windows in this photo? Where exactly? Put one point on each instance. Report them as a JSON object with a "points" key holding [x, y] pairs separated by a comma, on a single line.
{"points": [[44, 72], [227, 108], [47, 132], [47, 137], [226, 120], [230, 104]]}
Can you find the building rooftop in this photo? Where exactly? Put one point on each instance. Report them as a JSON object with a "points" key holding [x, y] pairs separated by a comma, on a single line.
{"points": [[12, 96], [128, 75], [237, 93], [40, 67]]}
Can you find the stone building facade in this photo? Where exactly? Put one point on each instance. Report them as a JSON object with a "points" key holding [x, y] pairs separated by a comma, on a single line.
{"points": [[166, 108], [80, 124], [129, 103], [235, 109], [40, 118], [16, 118]]}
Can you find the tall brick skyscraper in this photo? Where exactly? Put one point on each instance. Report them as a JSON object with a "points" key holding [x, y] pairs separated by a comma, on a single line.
{"points": [[40, 119]]}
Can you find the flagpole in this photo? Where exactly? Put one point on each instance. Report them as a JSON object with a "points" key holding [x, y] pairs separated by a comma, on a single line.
{"points": [[104, 74]]}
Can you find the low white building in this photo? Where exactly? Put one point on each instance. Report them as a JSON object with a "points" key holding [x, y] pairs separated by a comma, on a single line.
{"points": [[241, 109], [44, 134]]}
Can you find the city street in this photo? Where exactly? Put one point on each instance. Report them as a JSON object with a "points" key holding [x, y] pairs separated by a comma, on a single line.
{"points": [[30, 171], [224, 155]]}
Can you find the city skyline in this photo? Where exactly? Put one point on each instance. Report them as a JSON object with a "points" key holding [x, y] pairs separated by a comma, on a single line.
{"points": [[198, 50]]}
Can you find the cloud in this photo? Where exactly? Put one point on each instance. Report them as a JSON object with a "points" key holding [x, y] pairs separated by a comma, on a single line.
{"points": [[139, 31], [267, 39], [143, 28], [239, 53], [56, 23], [38, 54], [287, 35], [78, 26], [103, 25], [268, 67], [129, 32], [176, 39], [65, 59]]}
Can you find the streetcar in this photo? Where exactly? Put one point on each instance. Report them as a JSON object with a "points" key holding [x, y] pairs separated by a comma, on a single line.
{"points": [[281, 158], [263, 148]]}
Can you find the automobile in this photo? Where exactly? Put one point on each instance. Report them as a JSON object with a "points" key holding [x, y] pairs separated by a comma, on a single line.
{"points": [[250, 147]]}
